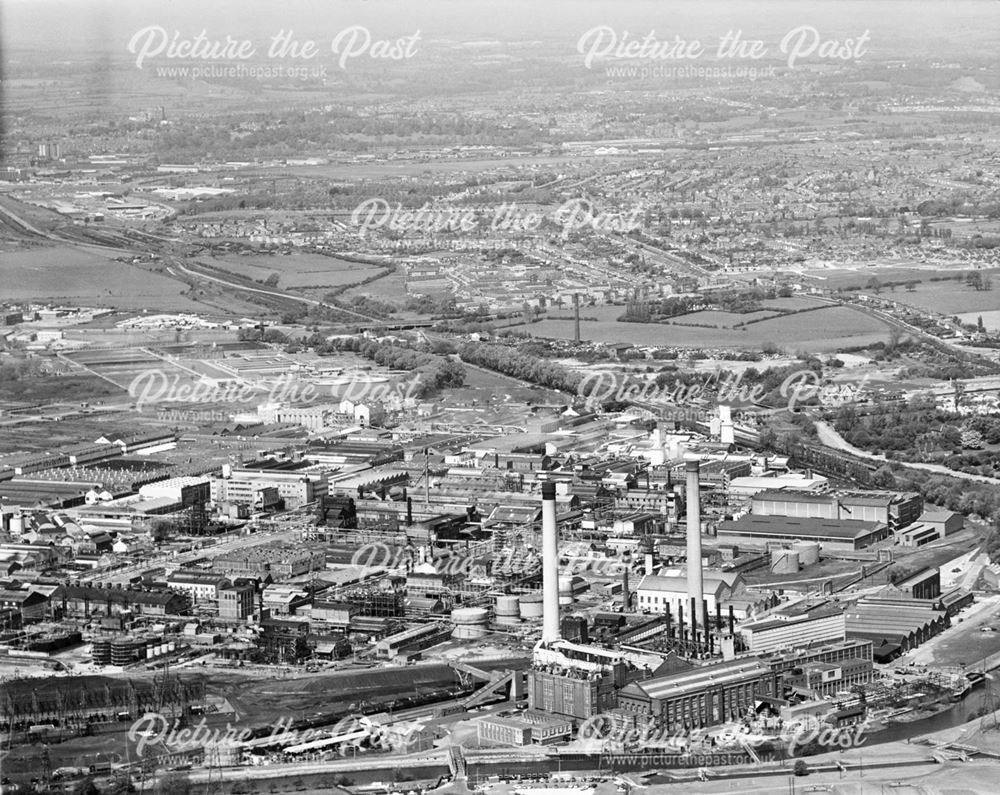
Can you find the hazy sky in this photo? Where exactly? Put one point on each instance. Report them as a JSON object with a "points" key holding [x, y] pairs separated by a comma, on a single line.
{"points": [[105, 26]]}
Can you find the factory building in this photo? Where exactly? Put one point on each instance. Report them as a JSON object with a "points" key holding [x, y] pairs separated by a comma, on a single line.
{"points": [[667, 592], [236, 601], [700, 697], [823, 679], [931, 526], [833, 535], [243, 486], [892, 509], [201, 586], [792, 627], [923, 584], [525, 729], [894, 625]]}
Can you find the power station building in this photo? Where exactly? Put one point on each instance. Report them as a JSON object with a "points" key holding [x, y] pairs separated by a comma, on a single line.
{"points": [[705, 696], [575, 681]]}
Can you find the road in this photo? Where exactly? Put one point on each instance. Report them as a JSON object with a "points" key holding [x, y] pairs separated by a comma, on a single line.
{"points": [[830, 438], [973, 619]]}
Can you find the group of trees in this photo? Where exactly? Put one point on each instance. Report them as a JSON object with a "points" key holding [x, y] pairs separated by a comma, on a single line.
{"points": [[518, 364], [919, 431], [642, 309], [979, 281], [435, 372], [255, 334], [962, 496]]}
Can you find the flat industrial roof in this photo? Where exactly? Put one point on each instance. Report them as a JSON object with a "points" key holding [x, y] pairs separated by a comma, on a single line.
{"points": [[800, 527]]}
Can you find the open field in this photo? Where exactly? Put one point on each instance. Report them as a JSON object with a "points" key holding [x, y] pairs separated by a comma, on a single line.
{"points": [[834, 277], [722, 319], [46, 389], [62, 273], [949, 297], [296, 271], [991, 318], [391, 287], [824, 330], [792, 304]]}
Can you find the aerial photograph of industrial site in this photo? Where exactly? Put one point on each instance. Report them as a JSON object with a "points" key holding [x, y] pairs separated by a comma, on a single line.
{"points": [[512, 397]]}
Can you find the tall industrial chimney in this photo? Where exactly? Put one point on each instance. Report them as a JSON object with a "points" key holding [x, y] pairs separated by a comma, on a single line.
{"points": [[576, 318], [694, 579], [550, 564]]}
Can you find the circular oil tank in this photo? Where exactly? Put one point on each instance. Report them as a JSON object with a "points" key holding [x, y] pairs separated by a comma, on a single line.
{"points": [[508, 610], [470, 622], [565, 590], [171, 646], [784, 561], [532, 607], [808, 552]]}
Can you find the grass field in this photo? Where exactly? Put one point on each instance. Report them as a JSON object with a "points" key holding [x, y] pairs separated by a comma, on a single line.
{"points": [[824, 330], [791, 304], [298, 270], [991, 318], [722, 319], [951, 297], [62, 273]]}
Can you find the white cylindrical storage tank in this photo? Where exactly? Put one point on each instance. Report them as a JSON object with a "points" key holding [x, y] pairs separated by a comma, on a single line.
{"points": [[470, 622], [565, 590], [532, 607], [808, 552], [784, 561], [171, 646], [508, 610]]}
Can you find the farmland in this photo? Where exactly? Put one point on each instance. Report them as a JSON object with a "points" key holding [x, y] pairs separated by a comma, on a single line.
{"points": [[298, 271], [824, 330], [950, 297], [721, 319], [67, 274], [886, 271]]}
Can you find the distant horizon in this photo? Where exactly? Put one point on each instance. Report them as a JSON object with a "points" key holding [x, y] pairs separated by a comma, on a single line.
{"points": [[106, 25]]}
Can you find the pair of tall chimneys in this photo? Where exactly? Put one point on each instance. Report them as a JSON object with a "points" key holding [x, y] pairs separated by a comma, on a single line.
{"points": [[550, 550]]}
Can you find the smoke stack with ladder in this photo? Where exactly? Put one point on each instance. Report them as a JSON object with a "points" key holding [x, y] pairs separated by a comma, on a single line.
{"points": [[550, 565], [694, 575]]}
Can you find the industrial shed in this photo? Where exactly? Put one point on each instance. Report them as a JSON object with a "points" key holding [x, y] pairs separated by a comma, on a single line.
{"points": [[903, 622]]}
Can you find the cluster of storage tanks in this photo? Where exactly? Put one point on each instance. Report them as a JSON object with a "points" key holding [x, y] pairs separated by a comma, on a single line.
{"points": [[127, 650], [790, 559], [511, 609]]}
